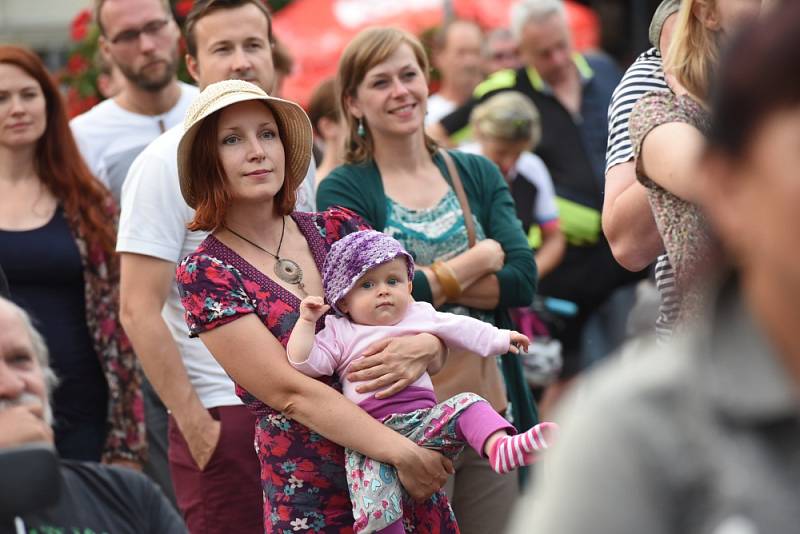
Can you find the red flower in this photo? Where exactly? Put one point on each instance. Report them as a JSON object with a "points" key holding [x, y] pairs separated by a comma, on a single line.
{"points": [[182, 8], [80, 25], [77, 65]]}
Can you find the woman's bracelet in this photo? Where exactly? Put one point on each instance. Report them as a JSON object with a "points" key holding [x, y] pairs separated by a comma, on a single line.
{"points": [[447, 279]]}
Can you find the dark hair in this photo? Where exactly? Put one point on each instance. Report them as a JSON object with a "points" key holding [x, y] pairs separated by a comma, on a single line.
{"points": [[759, 76], [209, 185], [60, 166], [203, 8], [281, 58], [323, 104]]}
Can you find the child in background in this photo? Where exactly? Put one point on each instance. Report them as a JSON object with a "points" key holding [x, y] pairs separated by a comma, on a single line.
{"points": [[367, 280]]}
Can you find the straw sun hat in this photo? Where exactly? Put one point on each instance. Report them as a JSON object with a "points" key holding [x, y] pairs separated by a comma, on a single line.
{"points": [[293, 125]]}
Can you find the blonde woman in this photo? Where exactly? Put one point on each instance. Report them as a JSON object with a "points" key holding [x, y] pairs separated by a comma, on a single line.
{"points": [[507, 129], [667, 131], [398, 181]]}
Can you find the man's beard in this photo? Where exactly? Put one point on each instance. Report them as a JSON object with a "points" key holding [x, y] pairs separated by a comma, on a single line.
{"points": [[29, 398], [148, 83]]}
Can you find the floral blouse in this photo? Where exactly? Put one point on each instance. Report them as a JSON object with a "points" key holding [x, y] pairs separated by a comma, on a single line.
{"points": [[126, 436], [302, 473], [683, 228]]}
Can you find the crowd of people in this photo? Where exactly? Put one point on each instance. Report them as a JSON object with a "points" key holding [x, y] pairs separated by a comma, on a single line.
{"points": [[321, 322]]}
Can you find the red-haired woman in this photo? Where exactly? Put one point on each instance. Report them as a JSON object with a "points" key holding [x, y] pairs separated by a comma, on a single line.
{"points": [[57, 250]]}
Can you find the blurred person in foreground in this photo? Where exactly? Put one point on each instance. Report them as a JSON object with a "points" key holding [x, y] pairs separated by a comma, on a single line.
{"points": [[93, 497], [703, 435]]}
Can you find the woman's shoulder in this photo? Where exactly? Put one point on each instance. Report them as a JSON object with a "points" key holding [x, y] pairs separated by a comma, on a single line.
{"points": [[353, 185], [660, 107], [481, 172], [206, 265], [352, 171], [334, 223]]}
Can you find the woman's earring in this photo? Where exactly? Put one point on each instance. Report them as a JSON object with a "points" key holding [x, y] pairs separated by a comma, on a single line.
{"points": [[361, 131]]}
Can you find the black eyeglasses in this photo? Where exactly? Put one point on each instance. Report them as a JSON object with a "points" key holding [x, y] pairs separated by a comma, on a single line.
{"points": [[152, 29]]}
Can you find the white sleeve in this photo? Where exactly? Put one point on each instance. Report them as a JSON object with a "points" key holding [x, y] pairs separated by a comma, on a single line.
{"points": [[532, 168], [82, 139], [306, 193], [153, 214]]}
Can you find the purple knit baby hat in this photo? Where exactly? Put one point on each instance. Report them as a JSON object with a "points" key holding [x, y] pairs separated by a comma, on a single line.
{"points": [[352, 256]]}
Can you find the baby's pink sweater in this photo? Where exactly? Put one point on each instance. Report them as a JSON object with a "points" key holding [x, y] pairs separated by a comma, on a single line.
{"points": [[342, 342]]}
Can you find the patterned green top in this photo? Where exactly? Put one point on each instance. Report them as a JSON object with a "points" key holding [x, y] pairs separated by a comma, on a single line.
{"points": [[436, 233]]}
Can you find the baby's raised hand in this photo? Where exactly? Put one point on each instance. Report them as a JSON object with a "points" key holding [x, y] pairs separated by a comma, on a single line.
{"points": [[518, 341], [312, 308]]}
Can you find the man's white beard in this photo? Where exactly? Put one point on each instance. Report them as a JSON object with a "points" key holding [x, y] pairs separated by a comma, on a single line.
{"points": [[29, 398]]}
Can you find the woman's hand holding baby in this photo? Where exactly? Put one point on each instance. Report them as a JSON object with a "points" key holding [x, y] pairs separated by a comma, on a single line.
{"points": [[518, 341], [312, 308]]}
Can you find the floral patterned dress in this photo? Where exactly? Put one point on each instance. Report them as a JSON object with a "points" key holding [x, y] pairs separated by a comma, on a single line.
{"points": [[687, 237], [302, 473]]}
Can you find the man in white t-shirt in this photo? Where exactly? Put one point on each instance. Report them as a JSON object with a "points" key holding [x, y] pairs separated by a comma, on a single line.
{"points": [[140, 38], [458, 56], [213, 463]]}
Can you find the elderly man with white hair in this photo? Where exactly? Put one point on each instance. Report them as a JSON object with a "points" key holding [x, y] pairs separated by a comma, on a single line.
{"points": [[93, 497]]}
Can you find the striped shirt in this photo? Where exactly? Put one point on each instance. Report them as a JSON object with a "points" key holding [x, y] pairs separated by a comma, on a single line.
{"points": [[644, 75]]}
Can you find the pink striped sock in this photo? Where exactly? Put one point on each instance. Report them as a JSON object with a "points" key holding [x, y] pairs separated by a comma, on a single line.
{"points": [[511, 452]]}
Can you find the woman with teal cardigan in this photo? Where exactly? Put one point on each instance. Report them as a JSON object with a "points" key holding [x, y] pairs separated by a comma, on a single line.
{"points": [[398, 181]]}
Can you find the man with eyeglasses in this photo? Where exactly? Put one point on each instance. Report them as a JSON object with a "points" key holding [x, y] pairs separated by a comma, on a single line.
{"points": [[140, 38], [214, 466]]}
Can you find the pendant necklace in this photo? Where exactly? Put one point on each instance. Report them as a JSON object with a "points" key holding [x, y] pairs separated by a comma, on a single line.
{"points": [[285, 269]]}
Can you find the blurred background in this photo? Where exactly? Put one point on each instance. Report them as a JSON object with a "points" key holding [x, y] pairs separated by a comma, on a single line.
{"points": [[313, 32]]}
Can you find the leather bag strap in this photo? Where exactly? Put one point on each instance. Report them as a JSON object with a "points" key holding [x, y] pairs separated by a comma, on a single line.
{"points": [[458, 187]]}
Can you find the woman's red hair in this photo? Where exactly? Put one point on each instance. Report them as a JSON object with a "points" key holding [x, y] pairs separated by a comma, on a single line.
{"points": [[209, 186], [59, 164]]}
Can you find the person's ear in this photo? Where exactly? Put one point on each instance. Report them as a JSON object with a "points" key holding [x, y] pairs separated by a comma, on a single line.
{"points": [[342, 305], [410, 287], [192, 67], [707, 15], [351, 103]]}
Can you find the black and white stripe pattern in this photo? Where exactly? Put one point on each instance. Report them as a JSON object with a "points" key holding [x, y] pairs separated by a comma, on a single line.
{"points": [[644, 75], [670, 302]]}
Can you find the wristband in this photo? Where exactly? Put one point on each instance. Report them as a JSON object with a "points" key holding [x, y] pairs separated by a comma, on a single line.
{"points": [[447, 279]]}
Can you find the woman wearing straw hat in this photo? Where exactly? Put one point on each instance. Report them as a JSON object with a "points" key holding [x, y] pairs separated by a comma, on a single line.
{"points": [[240, 160]]}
